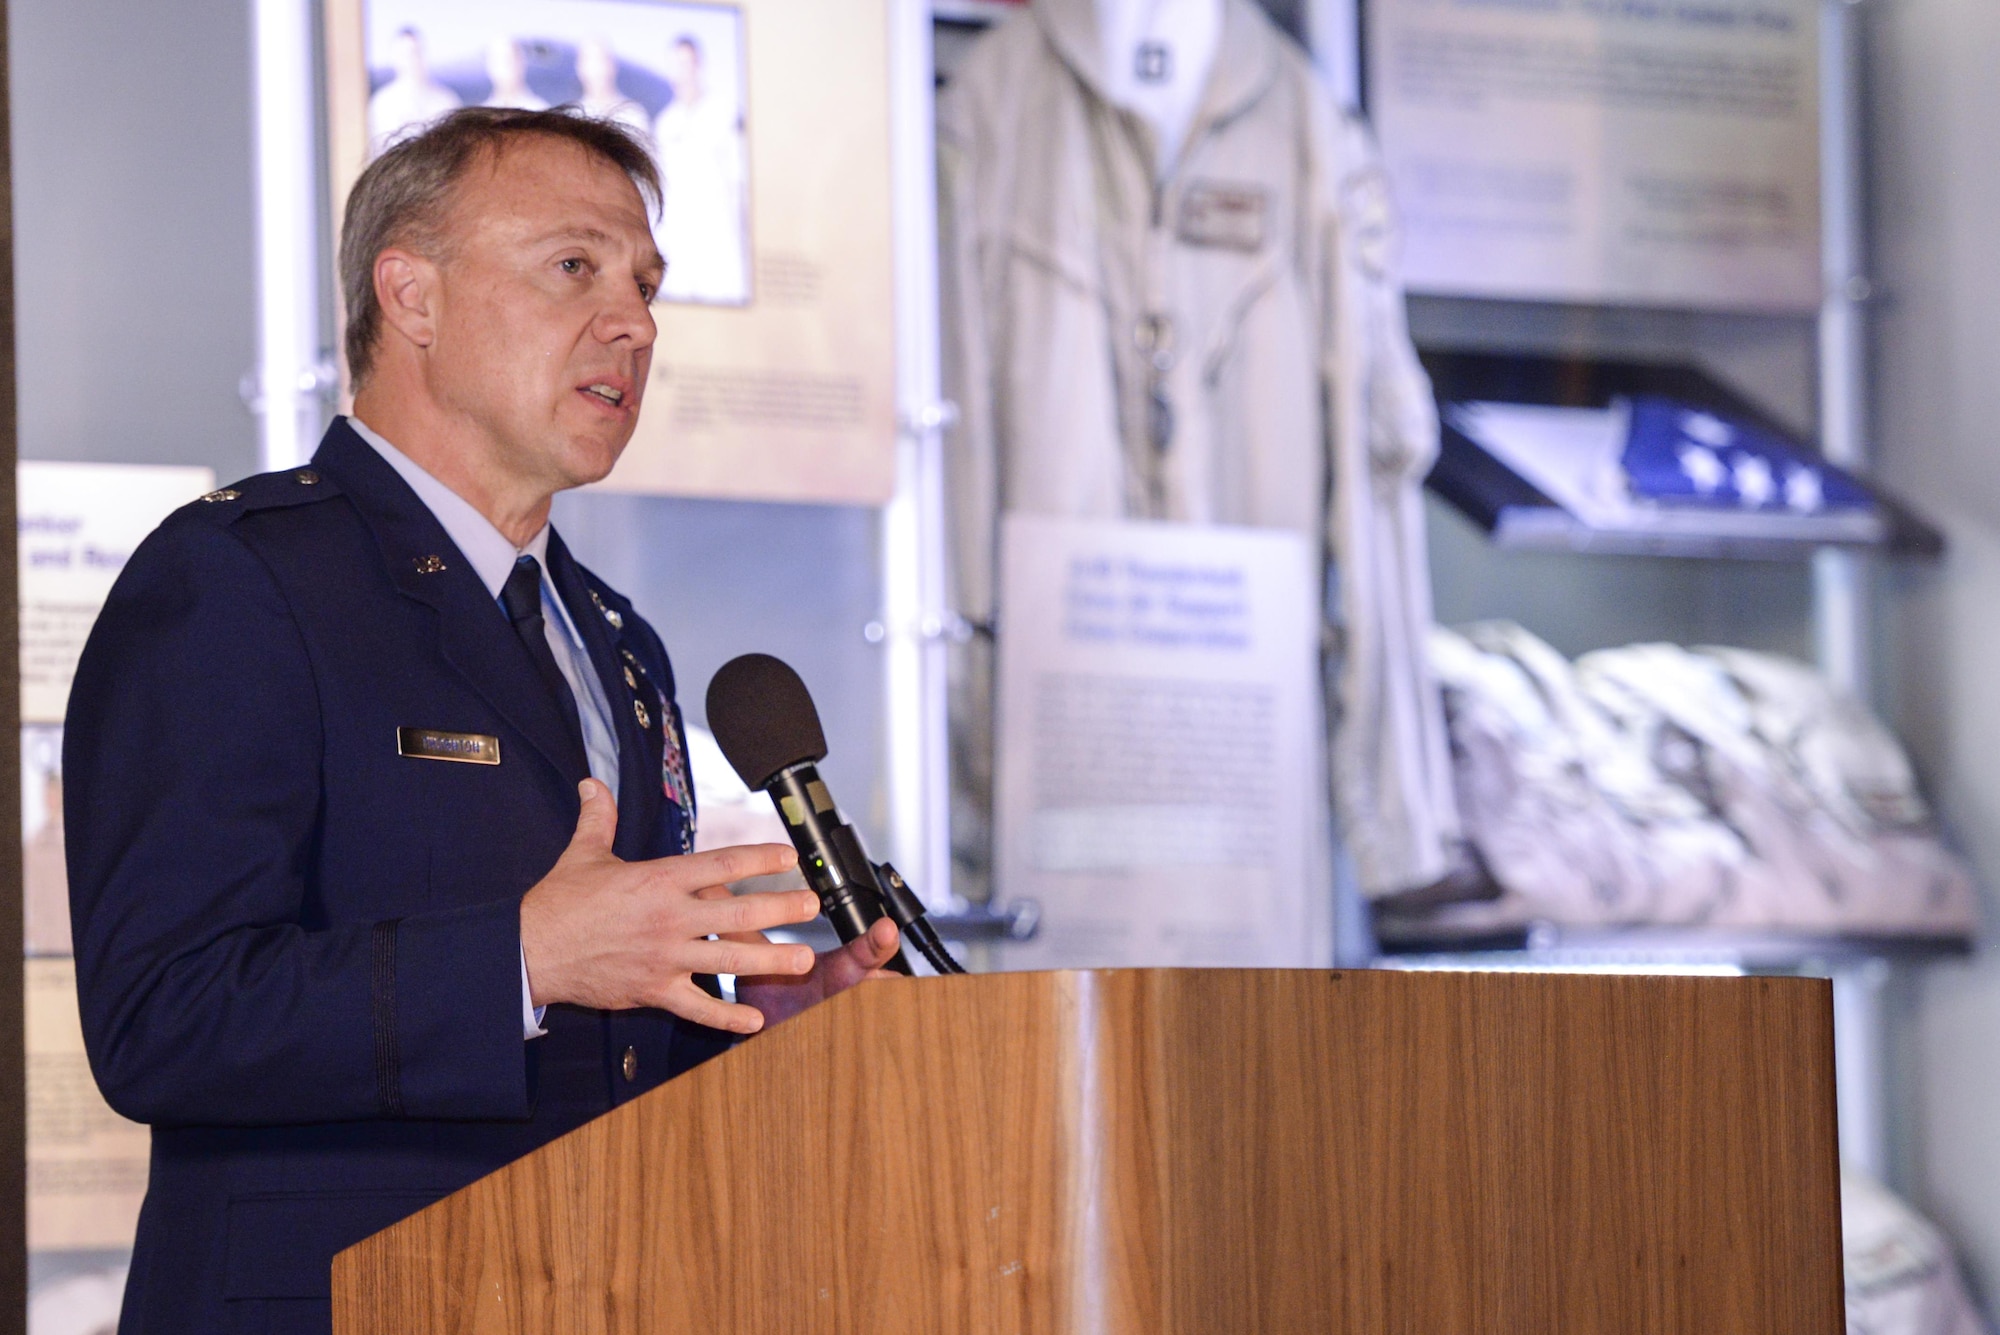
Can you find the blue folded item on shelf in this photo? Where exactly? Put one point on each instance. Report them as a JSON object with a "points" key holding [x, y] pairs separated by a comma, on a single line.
{"points": [[1679, 455]]}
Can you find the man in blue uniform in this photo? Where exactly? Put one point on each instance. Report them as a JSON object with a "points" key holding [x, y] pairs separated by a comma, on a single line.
{"points": [[380, 824]]}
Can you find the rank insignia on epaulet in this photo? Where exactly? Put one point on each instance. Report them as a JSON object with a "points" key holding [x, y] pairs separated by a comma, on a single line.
{"points": [[270, 491]]}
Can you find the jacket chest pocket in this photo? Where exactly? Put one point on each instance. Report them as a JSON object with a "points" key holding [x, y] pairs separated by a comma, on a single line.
{"points": [[477, 814]]}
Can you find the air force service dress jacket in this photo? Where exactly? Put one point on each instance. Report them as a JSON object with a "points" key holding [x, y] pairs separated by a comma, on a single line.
{"points": [[297, 925]]}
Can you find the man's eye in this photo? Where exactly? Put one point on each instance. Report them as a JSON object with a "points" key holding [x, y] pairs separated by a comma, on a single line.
{"points": [[572, 265], [647, 292]]}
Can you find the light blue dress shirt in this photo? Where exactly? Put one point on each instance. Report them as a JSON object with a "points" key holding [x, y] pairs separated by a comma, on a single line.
{"points": [[492, 557]]}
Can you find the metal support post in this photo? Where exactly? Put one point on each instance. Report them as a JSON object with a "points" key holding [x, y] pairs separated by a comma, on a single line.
{"points": [[290, 385], [1840, 578], [916, 611]]}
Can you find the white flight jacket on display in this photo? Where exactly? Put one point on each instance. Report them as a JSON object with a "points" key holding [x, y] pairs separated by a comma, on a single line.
{"points": [[1227, 345]]}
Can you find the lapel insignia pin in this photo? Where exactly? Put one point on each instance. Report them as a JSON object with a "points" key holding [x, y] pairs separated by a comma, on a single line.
{"points": [[630, 680], [226, 494], [645, 719], [617, 622], [305, 477], [429, 565]]}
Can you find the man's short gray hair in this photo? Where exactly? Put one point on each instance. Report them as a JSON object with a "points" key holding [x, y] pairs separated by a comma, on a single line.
{"points": [[402, 197]]}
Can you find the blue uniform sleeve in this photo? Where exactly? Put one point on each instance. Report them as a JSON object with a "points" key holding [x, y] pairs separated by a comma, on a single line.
{"points": [[191, 767]]}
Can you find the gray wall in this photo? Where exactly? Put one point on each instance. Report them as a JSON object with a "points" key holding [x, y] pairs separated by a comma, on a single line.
{"points": [[1934, 106], [720, 578], [134, 241]]}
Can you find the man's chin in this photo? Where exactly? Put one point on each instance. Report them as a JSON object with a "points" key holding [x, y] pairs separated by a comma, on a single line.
{"points": [[590, 459]]}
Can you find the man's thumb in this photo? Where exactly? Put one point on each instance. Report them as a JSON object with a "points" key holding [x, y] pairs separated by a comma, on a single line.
{"points": [[597, 822]]}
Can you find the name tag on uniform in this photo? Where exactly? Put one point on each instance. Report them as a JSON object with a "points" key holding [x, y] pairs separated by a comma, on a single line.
{"points": [[1228, 216], [468, 748]]}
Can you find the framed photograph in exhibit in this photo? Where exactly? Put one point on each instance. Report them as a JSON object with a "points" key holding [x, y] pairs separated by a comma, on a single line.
{"points": [[773, 377], [1617, 153]]}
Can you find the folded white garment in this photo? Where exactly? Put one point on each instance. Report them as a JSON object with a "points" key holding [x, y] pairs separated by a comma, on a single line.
{"points": [[1659, 785]]}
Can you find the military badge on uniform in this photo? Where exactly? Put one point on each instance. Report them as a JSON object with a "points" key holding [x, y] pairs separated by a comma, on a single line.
{"points": [[1232, 217], [674, 779], [610, 613]]}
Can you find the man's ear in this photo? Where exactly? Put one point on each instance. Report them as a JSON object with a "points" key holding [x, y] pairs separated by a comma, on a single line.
{"points": [[406, 288]]}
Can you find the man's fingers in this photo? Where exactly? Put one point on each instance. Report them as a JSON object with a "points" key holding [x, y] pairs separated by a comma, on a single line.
{"points": [[873, 950], [860, 958], [751, 959], [719, 866], [597, 822], [755, 912], [691, 1003]]}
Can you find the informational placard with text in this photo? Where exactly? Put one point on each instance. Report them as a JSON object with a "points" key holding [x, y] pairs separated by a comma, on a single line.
{"points": [[1633, 152], [1160, 747]]}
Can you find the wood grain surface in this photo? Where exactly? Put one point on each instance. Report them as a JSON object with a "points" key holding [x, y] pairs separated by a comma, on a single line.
{"points": [[1180, 1150]]}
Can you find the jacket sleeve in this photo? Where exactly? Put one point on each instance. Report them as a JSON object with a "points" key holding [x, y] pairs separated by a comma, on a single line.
{"points": [[213, 989], [1390, 761]]}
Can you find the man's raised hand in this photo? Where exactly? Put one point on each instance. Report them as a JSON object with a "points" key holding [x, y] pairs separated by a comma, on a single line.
{"points": [[601, 932]]}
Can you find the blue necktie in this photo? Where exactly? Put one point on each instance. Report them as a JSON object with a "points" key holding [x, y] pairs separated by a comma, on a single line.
{"points": [[521, 596]]}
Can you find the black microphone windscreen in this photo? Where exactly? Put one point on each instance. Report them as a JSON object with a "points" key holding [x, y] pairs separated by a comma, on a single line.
{"points": [[763, 718]]}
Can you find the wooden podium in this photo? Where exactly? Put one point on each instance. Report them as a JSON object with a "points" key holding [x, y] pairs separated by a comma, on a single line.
{"points": [[1179, 1150]]}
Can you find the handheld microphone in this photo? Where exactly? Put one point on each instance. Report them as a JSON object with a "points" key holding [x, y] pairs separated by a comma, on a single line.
{"points": [[763, 718]]}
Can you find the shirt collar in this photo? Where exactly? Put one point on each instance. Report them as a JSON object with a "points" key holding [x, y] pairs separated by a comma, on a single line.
{"points": [[1246, 54], [486, 547]]}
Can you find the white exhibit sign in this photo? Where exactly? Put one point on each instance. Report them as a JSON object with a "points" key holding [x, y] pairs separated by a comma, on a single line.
{"points": [[78, 523], [1619, 151], [1159, 785], [86, 1165]]}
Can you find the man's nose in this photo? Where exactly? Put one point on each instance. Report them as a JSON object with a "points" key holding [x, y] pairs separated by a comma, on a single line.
{"points": [[627, 318]]}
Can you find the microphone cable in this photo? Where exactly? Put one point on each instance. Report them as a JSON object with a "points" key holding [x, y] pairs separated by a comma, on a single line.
{"points": [[908, 913]]}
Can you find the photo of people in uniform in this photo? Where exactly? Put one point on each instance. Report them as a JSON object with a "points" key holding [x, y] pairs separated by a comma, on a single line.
{"points": [[673, 74]]}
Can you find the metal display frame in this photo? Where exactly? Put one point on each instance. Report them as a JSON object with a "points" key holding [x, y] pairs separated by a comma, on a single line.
{"points": [[13, 1065], [1858, 967], [917, 618]]}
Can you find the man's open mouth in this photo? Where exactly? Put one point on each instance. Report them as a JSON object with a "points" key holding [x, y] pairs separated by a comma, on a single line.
{"points": [[606, 392]]}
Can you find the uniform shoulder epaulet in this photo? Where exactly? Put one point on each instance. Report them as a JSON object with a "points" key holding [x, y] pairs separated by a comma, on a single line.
{"points": [[264, 491]]}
